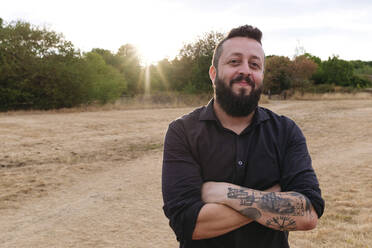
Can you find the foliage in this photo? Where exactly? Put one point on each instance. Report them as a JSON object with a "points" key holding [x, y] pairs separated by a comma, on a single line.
{"points": [[108, 57], [315, 59], [40, 69], [30, 60], [337, 71], [302, 70], [278, 74], [194, 60], [160, 76], [129, 65], [106, 82], [362, 73]]}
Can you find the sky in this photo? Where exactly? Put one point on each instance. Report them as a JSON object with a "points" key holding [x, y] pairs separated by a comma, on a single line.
{"points": [[159, 28]]}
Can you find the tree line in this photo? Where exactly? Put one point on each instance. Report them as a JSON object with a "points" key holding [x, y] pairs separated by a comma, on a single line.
{"points": [[39, 69]]}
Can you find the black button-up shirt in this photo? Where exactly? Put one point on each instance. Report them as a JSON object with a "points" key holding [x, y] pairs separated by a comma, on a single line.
{"points": [[197, 148]]}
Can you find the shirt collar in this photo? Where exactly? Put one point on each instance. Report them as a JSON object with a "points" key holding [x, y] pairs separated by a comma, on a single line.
{"points": [[208, 114]]}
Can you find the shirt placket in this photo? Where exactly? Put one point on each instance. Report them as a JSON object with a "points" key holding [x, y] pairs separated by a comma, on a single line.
{"points": [[240, 161]]}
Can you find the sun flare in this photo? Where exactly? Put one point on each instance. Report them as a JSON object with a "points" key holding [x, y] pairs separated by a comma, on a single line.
{"points": [[151, 53]]}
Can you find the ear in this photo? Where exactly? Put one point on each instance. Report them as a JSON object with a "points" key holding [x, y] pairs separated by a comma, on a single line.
{"points": [[212, 73]]}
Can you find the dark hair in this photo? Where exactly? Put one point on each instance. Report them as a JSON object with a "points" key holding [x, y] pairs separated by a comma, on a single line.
{"points": [[247, 31]]}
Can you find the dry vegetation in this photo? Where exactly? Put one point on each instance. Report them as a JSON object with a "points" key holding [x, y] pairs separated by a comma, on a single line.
{"points": [[92, 178]]}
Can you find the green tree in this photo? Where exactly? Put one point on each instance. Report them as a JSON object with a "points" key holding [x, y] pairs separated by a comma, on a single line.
{"points": [[194, 61], [108, 56], [25, 52], [315, 59], [337, 71], [129, 65], [160, 75], [106, 83]]}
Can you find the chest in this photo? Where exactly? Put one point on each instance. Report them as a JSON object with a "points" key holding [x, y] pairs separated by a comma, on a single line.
{"points": [[252, 160]]}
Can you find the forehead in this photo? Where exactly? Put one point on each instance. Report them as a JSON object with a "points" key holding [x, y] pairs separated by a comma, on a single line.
{"points": [[242, 46]]}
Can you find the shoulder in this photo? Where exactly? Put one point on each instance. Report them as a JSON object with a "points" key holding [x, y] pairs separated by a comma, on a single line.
{"points": [[282, 130], [282, 127], [188, 120], [184, 127], [273, 118]]}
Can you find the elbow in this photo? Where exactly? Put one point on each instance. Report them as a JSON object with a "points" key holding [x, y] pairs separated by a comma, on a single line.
{"points": [[199, 233], [196, 236], [202, 231], [309, 224]]}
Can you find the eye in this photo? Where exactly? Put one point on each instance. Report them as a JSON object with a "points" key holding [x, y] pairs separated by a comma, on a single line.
{"points": [[234, 61], [255, 65]]}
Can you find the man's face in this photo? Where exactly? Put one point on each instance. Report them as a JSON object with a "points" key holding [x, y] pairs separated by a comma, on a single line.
{"points": [[238, 79]]}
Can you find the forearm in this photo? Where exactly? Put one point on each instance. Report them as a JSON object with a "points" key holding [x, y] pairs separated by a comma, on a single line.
{"points": [[277, 210], [217, 219]]}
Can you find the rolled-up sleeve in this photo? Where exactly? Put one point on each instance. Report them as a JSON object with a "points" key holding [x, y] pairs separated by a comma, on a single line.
{"points": [[297, 172], [181, 183]]}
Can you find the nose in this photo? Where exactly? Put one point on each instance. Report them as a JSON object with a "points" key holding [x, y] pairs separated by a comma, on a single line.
{"points": [[244, 69]]}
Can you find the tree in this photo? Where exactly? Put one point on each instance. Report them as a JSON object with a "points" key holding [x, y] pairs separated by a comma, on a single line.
{"points": [[129, 65], [106, 84], [160, 75], [337, 71], [278, 74], [315, 59], [108, 56], [40, 69], [194, 61], [25, 52], [302, 70]]}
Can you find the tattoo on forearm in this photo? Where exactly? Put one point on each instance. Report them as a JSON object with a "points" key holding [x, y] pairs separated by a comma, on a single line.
{"points": [[282, 204], [246, 198], [308, 205], [273, 203], [282, 223], [252, 213]]}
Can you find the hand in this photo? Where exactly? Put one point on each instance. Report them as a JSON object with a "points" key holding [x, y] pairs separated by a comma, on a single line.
{"points": [[214, 192]]}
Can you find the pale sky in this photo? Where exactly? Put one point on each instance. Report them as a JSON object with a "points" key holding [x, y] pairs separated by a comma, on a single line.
{"points": [[159, 28]]}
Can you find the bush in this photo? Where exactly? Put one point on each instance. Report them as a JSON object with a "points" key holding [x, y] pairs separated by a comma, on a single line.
{"points": [[361, 81]]}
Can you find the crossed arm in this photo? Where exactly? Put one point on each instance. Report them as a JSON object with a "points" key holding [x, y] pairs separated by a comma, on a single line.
{"points": [[230, 206]]}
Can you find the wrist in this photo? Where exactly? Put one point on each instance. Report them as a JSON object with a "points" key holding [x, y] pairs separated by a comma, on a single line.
{"points": [[215, 192]]}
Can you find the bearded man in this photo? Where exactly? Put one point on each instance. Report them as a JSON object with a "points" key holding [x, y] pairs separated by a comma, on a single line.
{"points": [[236, 174]]}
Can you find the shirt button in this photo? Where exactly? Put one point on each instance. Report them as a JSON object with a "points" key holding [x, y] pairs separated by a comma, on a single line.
{"points": [[240, 163]]}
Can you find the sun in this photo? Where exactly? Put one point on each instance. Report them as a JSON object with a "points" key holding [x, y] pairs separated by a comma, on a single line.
{"points": [[151, 53]]}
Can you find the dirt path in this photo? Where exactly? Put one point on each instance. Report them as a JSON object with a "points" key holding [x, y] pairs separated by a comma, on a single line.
{"points": [[94, 179]]}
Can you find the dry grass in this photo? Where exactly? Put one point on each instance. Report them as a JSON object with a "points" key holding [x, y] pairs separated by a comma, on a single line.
{"points": [[92, 179], [178, 100], [332, 96], [155, 101]]}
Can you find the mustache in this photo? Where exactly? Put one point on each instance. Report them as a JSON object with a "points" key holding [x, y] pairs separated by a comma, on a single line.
{"points": [[240, 78]]}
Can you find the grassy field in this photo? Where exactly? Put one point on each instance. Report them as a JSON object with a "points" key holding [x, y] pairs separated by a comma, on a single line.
{"points": [[92, 178]]}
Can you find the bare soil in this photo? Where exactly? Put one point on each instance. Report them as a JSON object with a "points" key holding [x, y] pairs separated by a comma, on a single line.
{"points": [[93, 179]]}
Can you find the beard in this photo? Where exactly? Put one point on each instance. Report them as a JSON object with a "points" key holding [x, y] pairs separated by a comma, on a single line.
{"points": [[237, 105]]}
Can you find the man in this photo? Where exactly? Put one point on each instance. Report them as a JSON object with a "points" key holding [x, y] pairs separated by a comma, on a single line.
{"points": [[235, 174]]}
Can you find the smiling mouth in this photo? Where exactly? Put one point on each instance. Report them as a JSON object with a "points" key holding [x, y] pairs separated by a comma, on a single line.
{"points": [[242, 81]]}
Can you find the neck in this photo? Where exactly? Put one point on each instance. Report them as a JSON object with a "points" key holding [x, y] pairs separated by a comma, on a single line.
{"points": [[235, 124]]}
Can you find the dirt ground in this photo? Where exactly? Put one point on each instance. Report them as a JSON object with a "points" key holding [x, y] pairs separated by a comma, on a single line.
{"points": [[93, 179]]}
